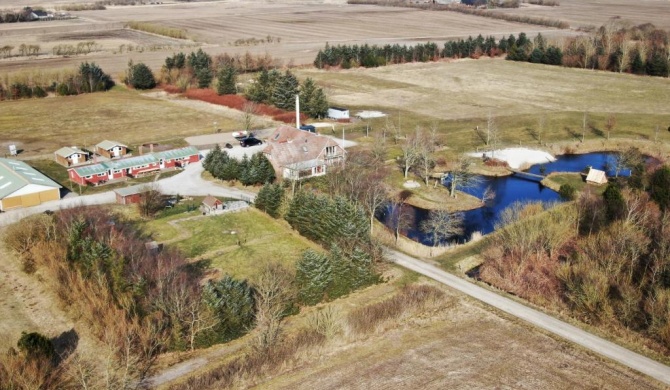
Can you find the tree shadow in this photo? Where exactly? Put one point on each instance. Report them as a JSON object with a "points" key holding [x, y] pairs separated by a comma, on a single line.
{"points": [[575, 134], [597, 131], [65, 344], [198, 268]]}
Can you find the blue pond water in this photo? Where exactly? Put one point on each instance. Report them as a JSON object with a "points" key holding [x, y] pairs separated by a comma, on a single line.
{"points": [[508, 190]]}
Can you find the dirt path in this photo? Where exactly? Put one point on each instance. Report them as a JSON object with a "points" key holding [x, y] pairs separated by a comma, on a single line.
{"points": [[569, 332]]}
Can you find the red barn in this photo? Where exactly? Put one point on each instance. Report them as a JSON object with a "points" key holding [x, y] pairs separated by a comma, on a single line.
{"points": [[132, 194]]}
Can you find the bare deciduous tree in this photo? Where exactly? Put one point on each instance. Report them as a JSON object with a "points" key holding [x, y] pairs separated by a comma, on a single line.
{"points": [[274, 293], [399, 214], [410, 155], [248, 115], [442, 224], [461, 176]]}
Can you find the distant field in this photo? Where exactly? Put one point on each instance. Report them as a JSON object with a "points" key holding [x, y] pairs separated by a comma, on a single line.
{"points": [[596, 12], [289, 31], [458, 96], [41, 126]]}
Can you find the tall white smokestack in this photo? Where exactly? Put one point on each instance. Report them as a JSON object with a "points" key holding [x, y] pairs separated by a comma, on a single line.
{"points": [[297, 111]]}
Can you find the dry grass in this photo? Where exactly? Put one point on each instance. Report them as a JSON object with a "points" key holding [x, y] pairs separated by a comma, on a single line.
{"points": [[41, 126], [459, 345], [291, 32], [457, 96], [412, 298], [597, 12]]}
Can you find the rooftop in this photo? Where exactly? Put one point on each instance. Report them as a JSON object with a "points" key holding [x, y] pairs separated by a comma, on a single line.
{"points": [[15, 175]]}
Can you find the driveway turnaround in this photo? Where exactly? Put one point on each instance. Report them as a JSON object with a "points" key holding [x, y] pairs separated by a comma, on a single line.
{"points": [[569, 332]]}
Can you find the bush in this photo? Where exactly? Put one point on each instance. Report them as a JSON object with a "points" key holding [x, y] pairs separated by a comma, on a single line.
{"points": [[567, 192], [140, 76], [36, 345]]}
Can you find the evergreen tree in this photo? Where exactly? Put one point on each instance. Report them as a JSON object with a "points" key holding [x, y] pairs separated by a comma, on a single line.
{"points": [[140, 76], [341, 271], [230, 168], [227, 78], [93, 79], [536, 56], [269, 199], [637, 64], [362, 271], [313, 275], [283, 94], [199, 60], [244, 171], [233, 303], [657, 64], [553, 56], [204, 77], [307, 91], [319, 104], [259, 91]]}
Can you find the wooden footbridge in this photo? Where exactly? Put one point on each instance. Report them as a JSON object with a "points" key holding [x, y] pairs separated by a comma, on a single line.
{"points": [[527, 175]]}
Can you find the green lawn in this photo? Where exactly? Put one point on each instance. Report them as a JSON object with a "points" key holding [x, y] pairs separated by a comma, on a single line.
{"points": [[258, 239], [576, 180]]}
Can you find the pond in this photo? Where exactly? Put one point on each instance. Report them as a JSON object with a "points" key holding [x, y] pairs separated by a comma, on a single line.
{"points": [[507, 189]]}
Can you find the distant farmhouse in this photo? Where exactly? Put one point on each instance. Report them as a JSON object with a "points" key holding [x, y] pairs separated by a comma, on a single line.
{"points": [[23, 186], [133, 166], [297, 154], [70, 155]]}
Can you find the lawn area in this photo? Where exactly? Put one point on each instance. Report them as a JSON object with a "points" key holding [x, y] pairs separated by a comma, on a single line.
{"points": [[258, 239], [41, 126], [576, 180]]}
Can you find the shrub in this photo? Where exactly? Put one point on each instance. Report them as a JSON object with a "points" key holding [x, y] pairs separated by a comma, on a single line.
{"points": [[140, 76], [36, 345], [567, 192]]}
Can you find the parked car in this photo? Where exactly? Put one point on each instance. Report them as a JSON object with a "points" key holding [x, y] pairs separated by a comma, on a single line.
{"points": [[250, 141]]}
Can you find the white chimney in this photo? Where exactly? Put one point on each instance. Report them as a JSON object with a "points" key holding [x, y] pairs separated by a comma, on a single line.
{"points": [[297, 111]]}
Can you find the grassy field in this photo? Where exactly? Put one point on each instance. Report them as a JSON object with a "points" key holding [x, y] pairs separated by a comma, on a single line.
{"points": [[41, 126], [458, 344], [458, 95], [237, 244]]}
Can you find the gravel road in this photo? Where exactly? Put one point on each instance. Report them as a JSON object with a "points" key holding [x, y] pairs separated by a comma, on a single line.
{"points": [[569, 332]]}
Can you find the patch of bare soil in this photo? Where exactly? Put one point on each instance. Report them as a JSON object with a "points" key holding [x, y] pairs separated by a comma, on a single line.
{"points": [[461, 345]]}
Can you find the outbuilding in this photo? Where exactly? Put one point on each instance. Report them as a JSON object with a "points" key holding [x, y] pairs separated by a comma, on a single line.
{"points": [[596, 176], [338, 113], [70, 155], [23, 186], [211, 204], [111, 149], [132, 194]]}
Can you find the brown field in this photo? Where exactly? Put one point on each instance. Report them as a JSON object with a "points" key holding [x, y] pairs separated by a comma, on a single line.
{"points": [[460, 345], [40, 126], [296, 31], [579, 13]]}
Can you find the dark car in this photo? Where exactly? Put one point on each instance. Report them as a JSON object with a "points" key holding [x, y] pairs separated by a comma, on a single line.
{"points": [[250, 141]]}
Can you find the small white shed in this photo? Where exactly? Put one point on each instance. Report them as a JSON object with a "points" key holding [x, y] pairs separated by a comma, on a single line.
{"points": [[338, 113]]}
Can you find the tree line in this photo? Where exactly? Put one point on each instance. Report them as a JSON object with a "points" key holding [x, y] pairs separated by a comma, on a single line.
{"points": [[270, 86], [615, 47], [88, 78], [604, 258]]}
